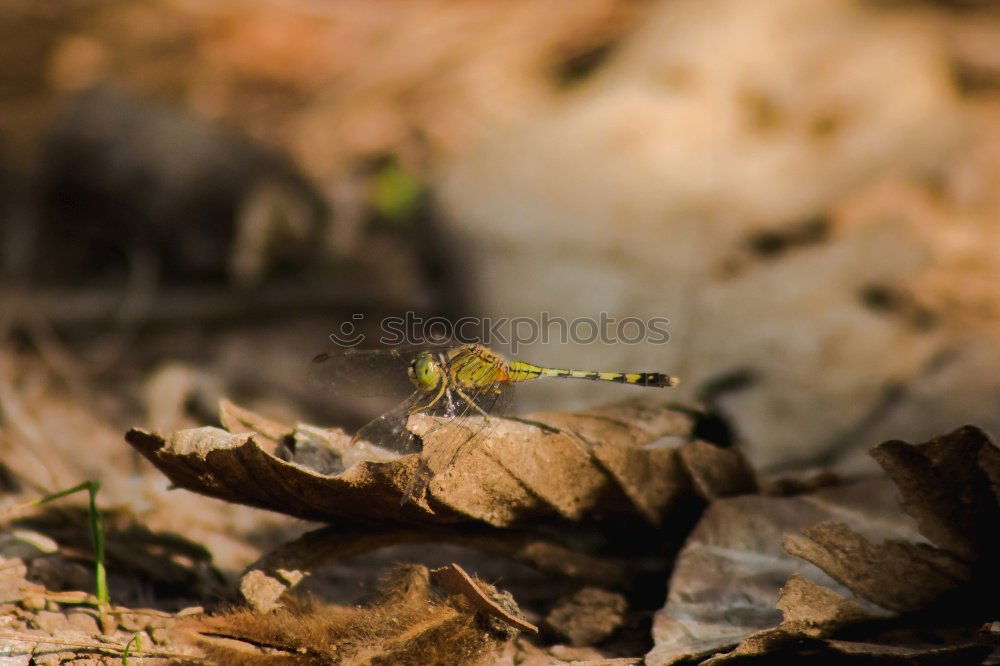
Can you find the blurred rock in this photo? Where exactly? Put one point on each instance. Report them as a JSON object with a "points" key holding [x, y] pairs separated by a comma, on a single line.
{"points": [[714, 123], [820, 359]]}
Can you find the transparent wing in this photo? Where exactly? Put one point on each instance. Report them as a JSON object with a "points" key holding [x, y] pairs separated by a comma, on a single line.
{"points": [[369, 373], [364, 373], [389, 432]]}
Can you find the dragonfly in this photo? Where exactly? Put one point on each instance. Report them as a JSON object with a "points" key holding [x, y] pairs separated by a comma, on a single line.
{"points": [[461, 384]]}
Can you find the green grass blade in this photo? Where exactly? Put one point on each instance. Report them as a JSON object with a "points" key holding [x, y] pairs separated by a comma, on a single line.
{"points": [[135, 640], [96, 538]]}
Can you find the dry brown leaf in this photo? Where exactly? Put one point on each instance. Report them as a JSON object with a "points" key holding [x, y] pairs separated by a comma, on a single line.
{"points": [[989, 634], [947, 486], [814, 610], [726, 580], [455, 580], [885, 573], [234, 468], [716, 472], [13, 584], [624, 459], [811, 612], [39, 622], [790, 648]]}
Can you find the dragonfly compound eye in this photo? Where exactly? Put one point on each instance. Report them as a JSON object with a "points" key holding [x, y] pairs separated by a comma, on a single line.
{"points": [[425, 372]]}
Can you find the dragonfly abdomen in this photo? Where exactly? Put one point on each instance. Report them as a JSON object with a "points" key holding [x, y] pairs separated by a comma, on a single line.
{"points": [[520, 372]]}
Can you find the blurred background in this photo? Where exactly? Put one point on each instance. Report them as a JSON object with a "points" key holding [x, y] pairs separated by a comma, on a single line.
{"points": [[194, 195]]}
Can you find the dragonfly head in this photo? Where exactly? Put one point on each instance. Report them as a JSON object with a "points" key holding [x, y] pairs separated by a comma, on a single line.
{"points": [[425, 372]]}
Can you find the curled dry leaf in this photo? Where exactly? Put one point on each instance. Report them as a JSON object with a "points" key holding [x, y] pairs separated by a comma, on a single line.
{"points": [[455, 580], [951, 487], [882, 573], [726, 580], [627, 459], [948, 486], [811, 612]]}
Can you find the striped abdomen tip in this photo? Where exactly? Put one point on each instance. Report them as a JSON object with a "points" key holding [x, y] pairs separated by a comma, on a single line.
{"points": [[658, 379]]}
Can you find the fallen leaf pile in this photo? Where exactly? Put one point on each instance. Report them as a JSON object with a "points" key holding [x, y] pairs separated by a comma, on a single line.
{"points": [[769, 570], [636, 461]]}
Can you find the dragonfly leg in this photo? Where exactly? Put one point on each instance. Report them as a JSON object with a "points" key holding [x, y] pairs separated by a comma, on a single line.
{"points": [[416, 409], [471, 403]]}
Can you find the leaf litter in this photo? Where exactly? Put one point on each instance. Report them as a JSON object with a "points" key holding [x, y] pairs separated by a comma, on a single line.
{"points": [[778, 567], [523, 489], [797, 550]]}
